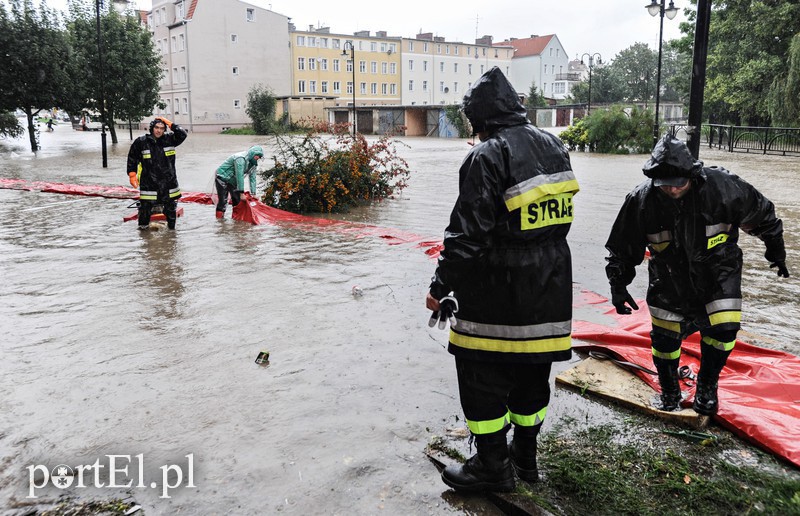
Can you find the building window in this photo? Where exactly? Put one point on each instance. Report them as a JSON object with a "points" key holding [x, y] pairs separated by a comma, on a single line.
{"points": [[234, 39], [312, 41], [301, 86], [438, 49], [373, 46], [301, 41], [383, 46], [336, 65], [447, 49], [393, 89], [337, 87], [410, 85], [384, 88], [349, 88], [174, 44], [323, 64], [312, 86], [312, 63], [455, 50], [393, 68], [455, 87], [384, 68], [410, 65], [424, 66], [362, 67], [323, 42], [237, 104], [469, 69], [181, 43], [373, 88], [324, 87], [455, 67], [392, 47], [424, 47], [424, 85], [374, 67], [301, 63], [336, 43], [235, 70], [186, 105], [559, 87], [363, 88], [441, 86], [182, 76], [168, 109], [175, 74], [441, 66], [251, 14], [177, 106], [348, 65], [410, 46]]}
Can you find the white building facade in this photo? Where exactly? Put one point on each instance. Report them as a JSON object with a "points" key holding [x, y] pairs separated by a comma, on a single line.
{"points": [[213, 53], [539, 60]]}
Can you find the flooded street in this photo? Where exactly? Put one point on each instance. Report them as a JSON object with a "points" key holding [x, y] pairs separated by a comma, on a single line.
{"points": [[117, 342]]}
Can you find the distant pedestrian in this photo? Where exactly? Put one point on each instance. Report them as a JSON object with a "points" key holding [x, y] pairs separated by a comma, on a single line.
{"points": [[230, 177], [158, 182]]}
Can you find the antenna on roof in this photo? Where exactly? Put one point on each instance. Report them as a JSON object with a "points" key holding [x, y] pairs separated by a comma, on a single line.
{"points": [[476, 26]]}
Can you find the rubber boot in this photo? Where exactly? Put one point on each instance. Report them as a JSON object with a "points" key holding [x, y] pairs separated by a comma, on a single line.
{"points": [[712, 361], [220, 214], [488, 470], [522, 452], [668, 379]]}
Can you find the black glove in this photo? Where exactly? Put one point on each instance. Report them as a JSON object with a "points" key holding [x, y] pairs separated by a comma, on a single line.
{"points": [[448, 306], [620, 296], [782, 270]]}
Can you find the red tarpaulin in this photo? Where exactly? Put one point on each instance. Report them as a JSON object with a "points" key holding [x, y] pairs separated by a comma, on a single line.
{"points": [[759, 389]]}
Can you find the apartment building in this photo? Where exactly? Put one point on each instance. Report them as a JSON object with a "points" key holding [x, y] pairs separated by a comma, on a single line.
{"points": [[331, 71], [539, 60], [213, 53], [436, 71]]}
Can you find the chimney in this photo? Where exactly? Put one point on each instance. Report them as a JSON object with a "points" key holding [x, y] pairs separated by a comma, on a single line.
{"points": [[425, 36], [380, 33], [361, 34], [534, 36], [486, 40]]}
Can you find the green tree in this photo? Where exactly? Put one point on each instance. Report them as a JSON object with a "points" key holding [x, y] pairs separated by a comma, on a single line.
{"points": [[748, 49], [784, 98], [535, 98], [131, 67], [32, 61], [261, 110], [9, 125], [635, 67]]}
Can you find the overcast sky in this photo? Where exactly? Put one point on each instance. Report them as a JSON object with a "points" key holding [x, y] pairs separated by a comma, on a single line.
{"points": [[604, 26]]}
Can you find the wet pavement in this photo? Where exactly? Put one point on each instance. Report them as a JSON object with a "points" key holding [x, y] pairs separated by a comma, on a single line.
{"points": [[117, 342]]}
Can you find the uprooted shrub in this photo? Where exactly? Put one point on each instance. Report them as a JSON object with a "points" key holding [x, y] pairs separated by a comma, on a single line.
{"points": [[616, 130], [330, 170]]}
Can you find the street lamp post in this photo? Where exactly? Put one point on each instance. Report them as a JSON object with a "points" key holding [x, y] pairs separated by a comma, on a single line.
{"points": [[591, 65], [353, 64], [97, 5], [656, 8]]}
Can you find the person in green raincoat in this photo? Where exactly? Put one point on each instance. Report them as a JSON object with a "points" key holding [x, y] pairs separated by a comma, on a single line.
{"points": [[230, 177]]}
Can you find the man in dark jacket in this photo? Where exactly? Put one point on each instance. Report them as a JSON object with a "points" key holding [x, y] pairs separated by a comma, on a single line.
{"points": [[689, 216], [157, 182], [507, 263]]}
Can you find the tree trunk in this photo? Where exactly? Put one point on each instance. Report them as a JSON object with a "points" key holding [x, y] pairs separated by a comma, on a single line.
{"points": [[32, 129]]}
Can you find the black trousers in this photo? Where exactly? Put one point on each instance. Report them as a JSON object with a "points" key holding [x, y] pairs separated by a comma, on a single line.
{"points": [[494, 394], [223, 189], [146, 210]]}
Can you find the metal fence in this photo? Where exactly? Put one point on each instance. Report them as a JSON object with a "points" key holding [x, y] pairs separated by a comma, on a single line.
{"points": [[763, 140]]}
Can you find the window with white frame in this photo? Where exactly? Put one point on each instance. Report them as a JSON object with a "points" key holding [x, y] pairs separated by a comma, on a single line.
{"points": [[235, 70], [441, 86], [168, 109], [455, 87], [348, 67], [324, 86], [393, 89], [455, 67], [455, 50], [447, 49], [559, 87], [182, 76], [234, 39], [250, 15], [410, 46], [323, 64], [425, 47], [174, 40], [175, 74], [393, 68], [186, 105], [383, 46], [393, 47], [181, 42], [337, 87], [312, 41], [363, 88], [349, 88], [301, 63], [441, 66], [237, 104], [301, 41], [384, 68], [362, 67], [336, 43], [177, 105], [469, 69], [373, 67], [384, 88], [424, 66], [312, 86], [410, 85], [301, 86], [438, 49], [323, 42], [424, 85], [410, 65], [373, 46], [312, 63], [336, 65], [373, 88]]}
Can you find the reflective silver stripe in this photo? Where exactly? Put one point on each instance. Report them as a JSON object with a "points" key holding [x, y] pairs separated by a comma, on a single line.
{"points": [[174, 190], [169, 149], [657, 238], [537, 181], [145, 153], [514, 332], [148, 193], [665, 315], [717, 229], [723, 304]]}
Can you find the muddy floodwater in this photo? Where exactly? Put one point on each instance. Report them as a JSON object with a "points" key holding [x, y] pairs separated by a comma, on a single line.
{"points": [[142, 345]]}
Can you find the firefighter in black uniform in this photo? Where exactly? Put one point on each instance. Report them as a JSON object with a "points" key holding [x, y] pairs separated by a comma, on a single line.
{"points": [[507, 266], [158, 181], [689, 217]]}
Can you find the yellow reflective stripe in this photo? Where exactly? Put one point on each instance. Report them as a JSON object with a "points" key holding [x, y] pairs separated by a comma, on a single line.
{"points": [[488, 427], [722, 346], [511, 346], [659, 247], [528, 196], [719, 239], [175, 192], [169, 153], [674, 327], [725, 317], [148, 197], [667, 356], [547, 211], [532, 420]]}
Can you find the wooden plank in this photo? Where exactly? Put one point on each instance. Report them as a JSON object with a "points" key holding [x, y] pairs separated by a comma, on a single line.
{"points": [[607, 380]]}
